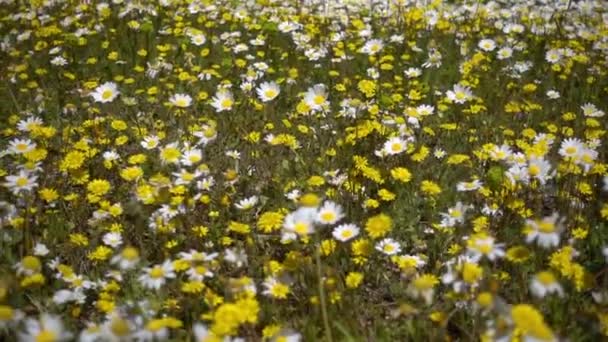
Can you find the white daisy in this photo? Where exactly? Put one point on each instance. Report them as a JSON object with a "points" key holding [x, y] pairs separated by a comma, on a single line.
{"points": [[345, 232], [181, 100], [459, 94], [372, 46], [46, 328], [571, 148], [150, 142], [112, 239], [198, 39], [24, 181], [329, 213], [545, 283], [106, 92], [268, 91], [487, 45], [545, 231], [395, 145], [223, 100], [21, 146], [154, 277], [316, 97], [301, 221], [388, 246], [247, 203]]}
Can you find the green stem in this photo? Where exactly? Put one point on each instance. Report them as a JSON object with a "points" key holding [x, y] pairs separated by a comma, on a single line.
{"points": [[322, 295]]}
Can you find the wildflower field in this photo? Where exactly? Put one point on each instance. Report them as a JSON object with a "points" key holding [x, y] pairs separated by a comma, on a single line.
{"points": [[264, 170]]}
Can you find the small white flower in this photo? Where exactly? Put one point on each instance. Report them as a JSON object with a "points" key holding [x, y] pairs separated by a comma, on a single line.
{"points": [[345, 232], [459, 94], [247, 203], [106, 92], [222, 101], [329, 213], [40, 249], [388, 246], [487, 45], [181, 100], [112, 239], [268, 91], [545, 283]]}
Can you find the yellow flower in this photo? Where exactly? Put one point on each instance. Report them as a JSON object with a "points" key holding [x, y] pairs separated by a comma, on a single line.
{"points": [[378, 226], [530, 322], [430, 188], [354, 279], [270, 221], [98, 187], [401, 174]]}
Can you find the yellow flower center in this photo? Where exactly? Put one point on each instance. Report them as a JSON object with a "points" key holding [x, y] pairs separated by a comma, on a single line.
{"points": [[270, 93], [571, 150], [107, 94], [157, 272], [46, 336], [546, 227], [346, 234], [130, 253], [6, 313], [319, 100], [546, 278], [21, 181], [181, 103], [396, 147], [534, 170], [31, 263], [226, 103], [328, 216], [459, 95], [301, 228], [119, 327]]}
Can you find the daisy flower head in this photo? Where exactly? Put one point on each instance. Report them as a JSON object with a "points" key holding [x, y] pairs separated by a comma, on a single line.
{"points": [[345, 232], [46, 328], [590, 110], [482, 245], [275, 288], [106, 92], [247, 203], [198, 39], [126, 259], [268, 91], [223, 100], [29, 124], [571, 148], [504, 53], [372, 47], [388, 246], [156, 276], [540, 169], [459, 94], [301, 221], [181, 100], [487, 45], [23, 181], [21, 146], [545, 231], [316, 97], [150, 142], [395, 145], [545, 283], [329, 213]]}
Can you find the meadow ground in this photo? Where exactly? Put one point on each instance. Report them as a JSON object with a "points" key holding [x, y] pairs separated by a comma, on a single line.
{"points": [[282, 171]]}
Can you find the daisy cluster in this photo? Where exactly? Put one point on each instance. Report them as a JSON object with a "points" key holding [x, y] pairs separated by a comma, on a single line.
{"points": [[265, 170]]}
